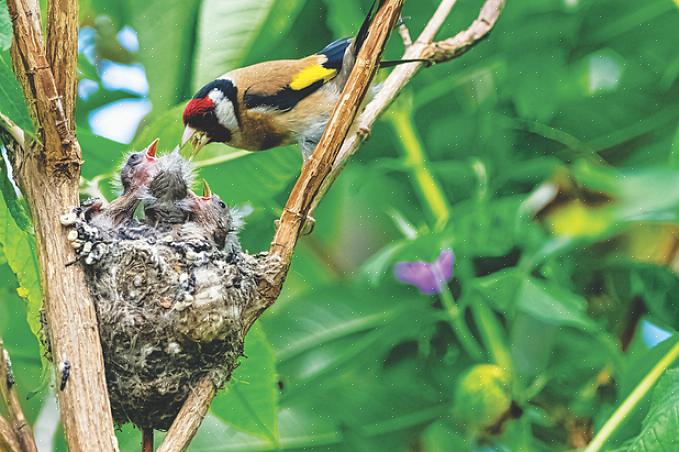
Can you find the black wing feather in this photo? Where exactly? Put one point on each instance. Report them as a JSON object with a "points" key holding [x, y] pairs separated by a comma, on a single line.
{"points": [[283, 100]]}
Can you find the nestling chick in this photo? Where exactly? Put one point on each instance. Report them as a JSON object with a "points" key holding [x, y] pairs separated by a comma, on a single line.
{"points": [[211, 219], [138, 170], [164, 201], [277, 102]]}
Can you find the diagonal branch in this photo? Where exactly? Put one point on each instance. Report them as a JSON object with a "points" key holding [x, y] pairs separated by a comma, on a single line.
{"points": [[22, 430], [308, 185], [317, 169]]}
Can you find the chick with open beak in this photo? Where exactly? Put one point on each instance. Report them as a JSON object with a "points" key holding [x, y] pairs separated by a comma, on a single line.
{"points": [[211, 220], [135, 175]]}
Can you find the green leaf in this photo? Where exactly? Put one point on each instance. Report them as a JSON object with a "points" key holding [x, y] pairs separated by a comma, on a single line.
{"points": [[441, 437], [5, 27], [512, 291], [166, 31], [12, 101], [167, 126], [21, 343], [227, 30], [249, 401], [254, 178], [13, 199], [662, 421], [345, 17], [18, 247], [101, 155]]}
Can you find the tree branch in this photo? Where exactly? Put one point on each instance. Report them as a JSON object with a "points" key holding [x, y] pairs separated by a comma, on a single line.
{"points": [[62, 51], [188, 420], [48, 172], [22, 430], [8, 440]]}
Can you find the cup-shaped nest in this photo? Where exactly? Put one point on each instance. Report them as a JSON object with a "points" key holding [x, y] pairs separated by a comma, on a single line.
{"points": [[170, 312]]}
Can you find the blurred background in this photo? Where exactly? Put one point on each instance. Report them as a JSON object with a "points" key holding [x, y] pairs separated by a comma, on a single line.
{"points": [[546, 159]]}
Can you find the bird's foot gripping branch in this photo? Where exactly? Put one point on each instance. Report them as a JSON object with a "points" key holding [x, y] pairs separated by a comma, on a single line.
{"points": [[171, 299]]}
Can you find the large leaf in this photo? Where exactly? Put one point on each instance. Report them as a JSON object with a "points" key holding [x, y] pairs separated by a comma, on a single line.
{"points": [[513, 292], [101, 155], [21, 343], [553, 304], [661, 424], [12, 102], [166, 35], [18, 247], [228, 30], [250, 400]]}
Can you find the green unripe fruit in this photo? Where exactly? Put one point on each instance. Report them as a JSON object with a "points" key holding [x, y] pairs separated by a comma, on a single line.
{"points": [[482, 395]]}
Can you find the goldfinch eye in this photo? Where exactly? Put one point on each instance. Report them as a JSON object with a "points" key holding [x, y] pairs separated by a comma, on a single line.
{"points": [[222, 205]]}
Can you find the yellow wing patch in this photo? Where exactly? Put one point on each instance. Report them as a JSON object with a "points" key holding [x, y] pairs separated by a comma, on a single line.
{"points": [[310, 75]]}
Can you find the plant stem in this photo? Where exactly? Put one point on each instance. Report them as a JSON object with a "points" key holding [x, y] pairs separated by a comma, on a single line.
{"points": [[432, 196], [426, 185], [459, 325], [491, 334], [633, 400]]}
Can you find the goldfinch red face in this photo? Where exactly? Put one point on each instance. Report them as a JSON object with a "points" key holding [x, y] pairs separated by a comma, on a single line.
{"points": [[212, 113]]}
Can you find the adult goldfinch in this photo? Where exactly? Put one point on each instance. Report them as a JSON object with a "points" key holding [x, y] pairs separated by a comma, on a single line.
{"points": [[274, 103]]}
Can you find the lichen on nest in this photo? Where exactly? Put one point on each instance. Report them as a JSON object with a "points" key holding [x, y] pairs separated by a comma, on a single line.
{"points": [[174, 292]]}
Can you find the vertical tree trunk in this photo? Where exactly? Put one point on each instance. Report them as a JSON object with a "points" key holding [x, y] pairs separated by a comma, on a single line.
{"points": [[48, 172]]}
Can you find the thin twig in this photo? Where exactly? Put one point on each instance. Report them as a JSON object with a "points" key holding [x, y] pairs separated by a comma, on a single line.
{"points": [[19, 425], [147, 440], [405, 35], [14, 130]]}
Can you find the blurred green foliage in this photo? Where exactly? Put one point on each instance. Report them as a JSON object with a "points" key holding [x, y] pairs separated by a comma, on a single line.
{"points": [[547, 158]]}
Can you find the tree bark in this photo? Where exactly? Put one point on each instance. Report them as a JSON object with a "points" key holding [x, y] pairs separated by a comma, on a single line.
{"points": [[48, 172]]}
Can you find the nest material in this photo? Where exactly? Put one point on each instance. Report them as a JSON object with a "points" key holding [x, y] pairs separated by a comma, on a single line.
{"points": [[170, 312]]}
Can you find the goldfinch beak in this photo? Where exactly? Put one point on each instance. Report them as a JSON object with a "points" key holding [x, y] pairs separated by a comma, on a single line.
{"points": [[207, 193], [188, 134]]}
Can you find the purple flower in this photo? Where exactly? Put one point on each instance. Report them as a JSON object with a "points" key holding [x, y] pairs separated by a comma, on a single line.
{"points": [[430, 278]]}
